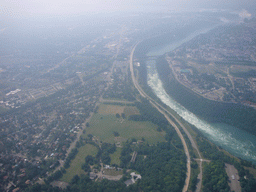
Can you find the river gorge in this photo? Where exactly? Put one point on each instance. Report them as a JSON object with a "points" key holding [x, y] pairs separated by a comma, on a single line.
{"points": [[234, 140]]}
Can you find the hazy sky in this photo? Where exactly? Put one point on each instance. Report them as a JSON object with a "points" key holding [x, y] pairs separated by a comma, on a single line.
{"points": [[19, 8]]}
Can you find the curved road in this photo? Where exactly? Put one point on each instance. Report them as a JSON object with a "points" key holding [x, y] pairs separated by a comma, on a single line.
{"points": [[166, 113]]}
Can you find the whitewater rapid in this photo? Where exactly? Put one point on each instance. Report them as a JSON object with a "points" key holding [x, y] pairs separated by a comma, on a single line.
{"points": [[236, 141]]}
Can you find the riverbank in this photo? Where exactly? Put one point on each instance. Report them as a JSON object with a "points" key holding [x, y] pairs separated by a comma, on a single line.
{"points": [[215, 124], [233, 114]]}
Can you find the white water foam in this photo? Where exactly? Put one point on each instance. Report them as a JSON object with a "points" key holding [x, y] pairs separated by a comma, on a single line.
{"points": [[237, 142]]}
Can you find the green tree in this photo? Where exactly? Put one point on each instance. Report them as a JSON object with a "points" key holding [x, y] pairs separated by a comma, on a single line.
{"points": [[117, 115]]}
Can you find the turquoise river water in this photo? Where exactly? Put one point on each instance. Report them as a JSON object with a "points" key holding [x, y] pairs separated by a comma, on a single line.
{"points": [[234, 140]]}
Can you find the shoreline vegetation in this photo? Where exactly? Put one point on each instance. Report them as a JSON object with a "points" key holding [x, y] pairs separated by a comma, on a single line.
{"points": [[230, 109], [233, 114]]}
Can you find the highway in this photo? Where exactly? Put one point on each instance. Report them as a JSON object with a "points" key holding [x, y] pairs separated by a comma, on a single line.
{"points": [[167, 115]]}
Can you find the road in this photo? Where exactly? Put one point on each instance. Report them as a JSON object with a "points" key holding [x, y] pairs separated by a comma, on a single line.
{"points": [[73, 144], [167, 114], [231, 78], [134, 155], [194, 145], [116, 101]]}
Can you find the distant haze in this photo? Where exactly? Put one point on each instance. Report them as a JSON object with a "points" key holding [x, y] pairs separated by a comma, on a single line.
{"points": [[18, 8]]}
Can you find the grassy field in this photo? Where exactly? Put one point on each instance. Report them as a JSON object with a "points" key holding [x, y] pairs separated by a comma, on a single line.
{"points": [[112, 172], [75, 166], [103, 125], [115, 156], [110, 109], [131, 111], [114, 109]]}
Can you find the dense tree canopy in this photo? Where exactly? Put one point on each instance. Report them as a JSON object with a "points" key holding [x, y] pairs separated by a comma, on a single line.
{"points": [[215, 178]]}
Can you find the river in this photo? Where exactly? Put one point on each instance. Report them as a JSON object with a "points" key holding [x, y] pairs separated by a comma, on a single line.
{"points": [[236, 141]]}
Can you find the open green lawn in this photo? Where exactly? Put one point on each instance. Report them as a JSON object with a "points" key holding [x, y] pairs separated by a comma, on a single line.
{"points": [[75, 166], [115, 156], [131, 110], [112, 172], [110, 109], [114, 109], [103, 125]]}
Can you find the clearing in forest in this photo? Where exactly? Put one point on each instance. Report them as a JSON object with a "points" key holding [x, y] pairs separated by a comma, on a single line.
{"points": [[103, 124], [114, 109], [76, 164], [110, 109]]}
